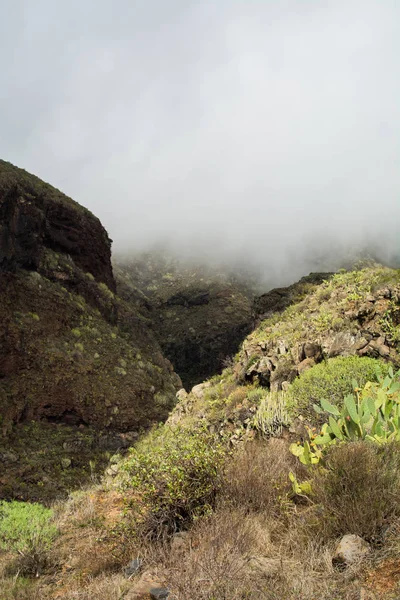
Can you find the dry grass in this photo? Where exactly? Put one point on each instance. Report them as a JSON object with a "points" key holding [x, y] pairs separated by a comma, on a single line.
{"points": [[233, 556], [358, 491], [14, 588], [216, 564], [87, 547], [104, 587], [252, 546], [257, 544], [257, 478]]}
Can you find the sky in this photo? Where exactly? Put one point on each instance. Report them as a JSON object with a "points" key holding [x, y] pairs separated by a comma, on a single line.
{"points": [[254, 131]]}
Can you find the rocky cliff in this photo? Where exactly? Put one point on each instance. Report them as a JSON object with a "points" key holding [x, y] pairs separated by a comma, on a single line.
{"points": [[34, 217], [70, 350]]}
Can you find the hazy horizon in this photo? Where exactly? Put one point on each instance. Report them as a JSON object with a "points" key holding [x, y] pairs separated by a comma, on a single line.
{"points": [[250, 132]]}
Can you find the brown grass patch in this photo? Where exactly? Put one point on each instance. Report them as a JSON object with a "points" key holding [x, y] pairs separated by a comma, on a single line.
{"points": [[358, 491], [257, 479]]}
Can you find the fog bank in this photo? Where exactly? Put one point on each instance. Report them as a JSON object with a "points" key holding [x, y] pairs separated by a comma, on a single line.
{"points": [[242, 131]]}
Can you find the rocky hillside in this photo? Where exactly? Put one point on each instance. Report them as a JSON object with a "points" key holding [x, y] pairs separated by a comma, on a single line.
{"points": [[278, 477], [354, 313], [215, 505], [200, 315], [71, 352]]}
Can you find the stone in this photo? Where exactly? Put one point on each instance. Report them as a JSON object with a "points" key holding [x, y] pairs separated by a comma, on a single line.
{"points": [[365, 310], [361, 343], [133, 568], [66, 463], [342, 344], [385, 293], [384, 351], [181, 394], [282, 349], [305, 364], [312, 350], [367, 350], [351, 549], [199, 390], [159, 593]]}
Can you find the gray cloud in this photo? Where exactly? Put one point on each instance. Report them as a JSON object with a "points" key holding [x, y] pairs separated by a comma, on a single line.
{"points": [[250, 130]]}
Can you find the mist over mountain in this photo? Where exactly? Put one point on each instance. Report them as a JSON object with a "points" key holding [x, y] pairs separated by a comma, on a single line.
{"points": [[257, 133]]}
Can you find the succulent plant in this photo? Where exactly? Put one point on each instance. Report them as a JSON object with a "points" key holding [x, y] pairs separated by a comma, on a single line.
{"points": [[371, 413]]}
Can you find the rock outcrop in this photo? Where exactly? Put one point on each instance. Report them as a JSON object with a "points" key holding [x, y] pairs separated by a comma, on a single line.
{"points": [[70, 350], [355, 313], [35, 216]]}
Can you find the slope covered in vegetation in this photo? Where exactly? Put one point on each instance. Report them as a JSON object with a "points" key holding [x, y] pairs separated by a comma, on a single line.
{"points": [[71, 352], [215, 504]]}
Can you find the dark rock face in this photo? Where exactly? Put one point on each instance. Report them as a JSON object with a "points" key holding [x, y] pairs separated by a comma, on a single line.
{"points": [[199, 316], [35, 216], [71, 352]]}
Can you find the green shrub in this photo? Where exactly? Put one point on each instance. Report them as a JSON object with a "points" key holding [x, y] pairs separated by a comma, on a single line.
{"points": [[176, 474], [333, 379], [28, 530], [106, 291]]}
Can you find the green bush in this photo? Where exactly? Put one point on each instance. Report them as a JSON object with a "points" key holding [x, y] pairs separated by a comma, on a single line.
{"points": [[333, 379], [176, 473], [28, 530]]}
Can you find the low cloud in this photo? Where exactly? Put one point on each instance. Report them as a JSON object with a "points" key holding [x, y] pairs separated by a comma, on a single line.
{"points": [[250, 132]]}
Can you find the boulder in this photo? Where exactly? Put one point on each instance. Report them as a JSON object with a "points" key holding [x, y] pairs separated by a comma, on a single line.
{"points": [[305, 364], [312, 350], [159, 593], [344, 343], [199, 390], [351, 549], [181, 394]]}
